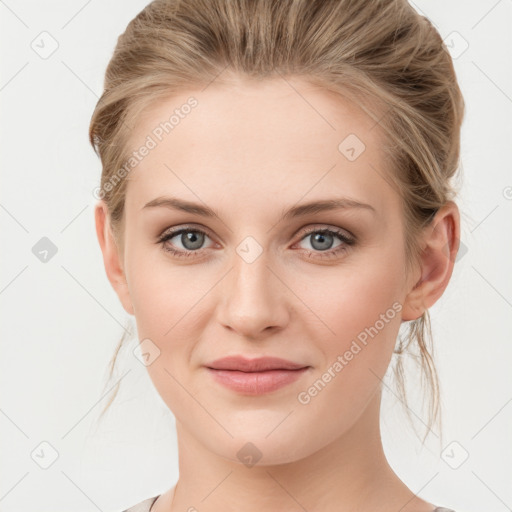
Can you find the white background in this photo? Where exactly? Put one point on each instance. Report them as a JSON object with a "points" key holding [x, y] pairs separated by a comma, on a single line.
{"points": [[61, 320]]}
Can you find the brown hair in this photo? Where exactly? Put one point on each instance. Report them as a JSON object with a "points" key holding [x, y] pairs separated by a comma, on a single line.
{"points": [[381, 54]]}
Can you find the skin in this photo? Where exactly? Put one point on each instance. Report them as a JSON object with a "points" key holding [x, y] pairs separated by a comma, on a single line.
{"points": [[250, 151]]}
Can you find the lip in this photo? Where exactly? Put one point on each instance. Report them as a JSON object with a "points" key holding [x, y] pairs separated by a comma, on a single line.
{"points": [[259, 364], [255, 376]]}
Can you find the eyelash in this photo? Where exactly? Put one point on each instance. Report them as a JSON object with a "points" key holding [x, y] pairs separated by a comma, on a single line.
{"points": [[347, 242]]}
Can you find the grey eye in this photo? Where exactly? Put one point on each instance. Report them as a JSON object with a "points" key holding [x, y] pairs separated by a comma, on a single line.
{"points": [[192, 240], [322, 240]]}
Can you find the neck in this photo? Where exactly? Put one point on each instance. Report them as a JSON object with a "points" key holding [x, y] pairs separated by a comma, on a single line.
{"points": [[350, 473]]}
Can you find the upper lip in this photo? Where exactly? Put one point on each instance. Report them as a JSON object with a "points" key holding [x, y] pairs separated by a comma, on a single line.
{"points": [[259, 364]]}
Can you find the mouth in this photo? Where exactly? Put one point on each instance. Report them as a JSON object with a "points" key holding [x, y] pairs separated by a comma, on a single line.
{"points": [[255, 376]]}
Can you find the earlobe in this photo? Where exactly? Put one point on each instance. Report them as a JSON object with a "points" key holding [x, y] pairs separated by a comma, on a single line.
{"points": [[441, 243], [413, 306], [112, 258]]}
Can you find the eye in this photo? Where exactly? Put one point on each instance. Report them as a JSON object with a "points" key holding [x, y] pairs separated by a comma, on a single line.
{"points": [[191, 240], [321, 241]]}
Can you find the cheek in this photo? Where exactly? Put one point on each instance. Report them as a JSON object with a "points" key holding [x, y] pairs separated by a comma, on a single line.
{"points": [[161, 292], [361, 305], [169, 305], [353, 297], [169, 312]]}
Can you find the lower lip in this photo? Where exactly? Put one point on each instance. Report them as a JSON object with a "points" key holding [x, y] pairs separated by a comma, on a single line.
{"points": [[256, 383]]}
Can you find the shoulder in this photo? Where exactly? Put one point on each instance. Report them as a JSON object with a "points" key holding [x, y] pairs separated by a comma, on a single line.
{"points": [[145, 506]]}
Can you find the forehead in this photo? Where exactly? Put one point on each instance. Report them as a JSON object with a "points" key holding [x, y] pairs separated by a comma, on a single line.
{"points": [[273, 141]]}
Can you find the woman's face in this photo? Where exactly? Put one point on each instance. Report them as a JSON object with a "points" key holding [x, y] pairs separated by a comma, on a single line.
{"points": [[258, 277]]}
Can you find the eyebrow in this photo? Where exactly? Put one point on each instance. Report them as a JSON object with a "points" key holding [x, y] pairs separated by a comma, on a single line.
{"points": [[295, 211]]}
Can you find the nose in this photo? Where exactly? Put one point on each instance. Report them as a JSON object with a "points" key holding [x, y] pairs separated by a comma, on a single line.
{"points": [[254, 298]]}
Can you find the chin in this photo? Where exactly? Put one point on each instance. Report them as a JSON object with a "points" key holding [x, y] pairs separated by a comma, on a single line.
{"points": [[266, 441], [253, 451]]}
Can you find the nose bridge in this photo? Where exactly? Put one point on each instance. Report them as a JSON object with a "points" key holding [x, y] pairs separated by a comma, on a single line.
{"points": [[253, 297]]}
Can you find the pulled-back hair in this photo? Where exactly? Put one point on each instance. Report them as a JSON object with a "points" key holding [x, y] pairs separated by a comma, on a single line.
{"points": [[382, 55]]}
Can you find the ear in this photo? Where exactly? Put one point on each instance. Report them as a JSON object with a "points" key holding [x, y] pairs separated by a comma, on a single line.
{"points": [[440, 246], [112, 256]]}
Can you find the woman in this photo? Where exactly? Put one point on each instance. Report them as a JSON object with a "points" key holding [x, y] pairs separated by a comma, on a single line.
{"points": [[275, 203]]}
